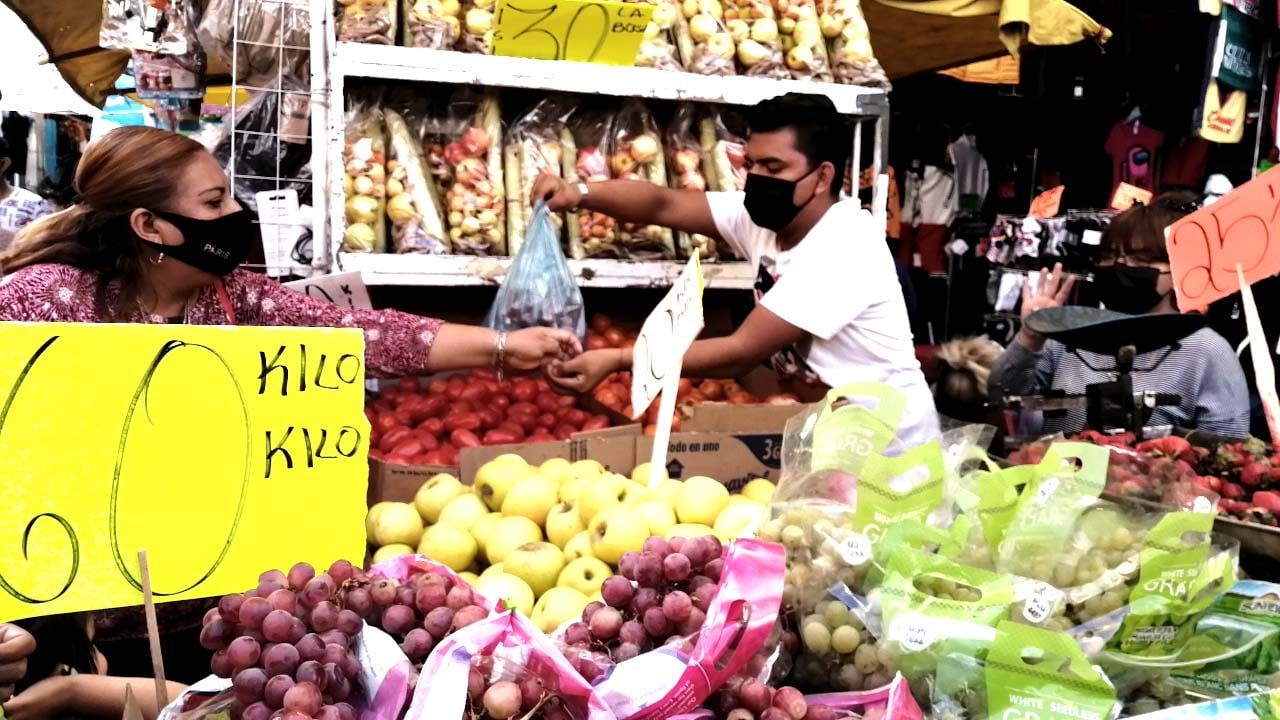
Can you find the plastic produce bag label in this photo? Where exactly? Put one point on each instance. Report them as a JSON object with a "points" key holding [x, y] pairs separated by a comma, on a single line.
{"points": [[1034, 673]]}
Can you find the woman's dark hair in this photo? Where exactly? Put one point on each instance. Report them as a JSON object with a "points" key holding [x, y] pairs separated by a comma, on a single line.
{"points": [[126, 169], [822, 133], [61, 640], [1138, 232]]}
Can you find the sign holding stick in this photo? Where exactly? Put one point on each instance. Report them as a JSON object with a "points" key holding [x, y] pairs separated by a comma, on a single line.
{"points": [[659, 353], [1264, 371], [153, 631]]}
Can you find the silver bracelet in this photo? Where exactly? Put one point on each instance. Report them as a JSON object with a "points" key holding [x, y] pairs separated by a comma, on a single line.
{"points": [[500, 353], [583, 193]]}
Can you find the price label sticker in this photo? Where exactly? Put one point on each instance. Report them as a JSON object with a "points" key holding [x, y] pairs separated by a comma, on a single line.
{"points": [[1047, 488], [855, 549], [914, 634], [1040, 604], [594, 31]]}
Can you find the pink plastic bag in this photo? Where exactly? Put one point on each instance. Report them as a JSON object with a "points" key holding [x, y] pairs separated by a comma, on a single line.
{"points": [[662, 683], [891, 702], [514, 642]]}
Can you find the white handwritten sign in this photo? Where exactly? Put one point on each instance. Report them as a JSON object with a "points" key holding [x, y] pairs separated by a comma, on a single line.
{"points": [[343, 289], [659, 352]]}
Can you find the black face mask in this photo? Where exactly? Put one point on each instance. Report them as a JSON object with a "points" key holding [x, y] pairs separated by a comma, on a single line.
{"points": [[770, 201], [1128, 289], [215, 246]]}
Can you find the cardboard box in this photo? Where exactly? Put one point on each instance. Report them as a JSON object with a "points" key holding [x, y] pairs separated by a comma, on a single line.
{"points": [[399, 483]]}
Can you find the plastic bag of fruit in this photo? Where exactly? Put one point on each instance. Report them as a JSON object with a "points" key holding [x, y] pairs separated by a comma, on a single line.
{"points": [[367, 21], [432, 24], [539, 289], [1236, 645], [635, 153], [478, 22], [893, 701], [683, 617], [658, 48], [537, 143], [727, 159], [365, 182], [1022, 667], [502, 667], [852, 60], [471, 157], [753, 25], [597, 234], [705, 44], [686, 156], [802, 40], [412, 204]]}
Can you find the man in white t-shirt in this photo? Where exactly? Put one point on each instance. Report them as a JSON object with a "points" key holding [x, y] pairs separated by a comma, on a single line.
{"points": [[18, 207], [829, 308]]}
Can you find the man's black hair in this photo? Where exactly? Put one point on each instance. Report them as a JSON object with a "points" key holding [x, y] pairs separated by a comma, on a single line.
{"points": [[822, 134]]}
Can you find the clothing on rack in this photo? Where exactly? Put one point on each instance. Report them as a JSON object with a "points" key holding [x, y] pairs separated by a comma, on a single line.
{"points": [[929, 207], [972, 177], [1132, 146]]}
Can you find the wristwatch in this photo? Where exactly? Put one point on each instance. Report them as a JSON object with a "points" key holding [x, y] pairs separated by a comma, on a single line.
{"points": [[583, 194]]}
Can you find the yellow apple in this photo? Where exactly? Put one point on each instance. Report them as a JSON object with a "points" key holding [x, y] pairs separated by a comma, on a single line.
{"points": [[508, 534], [538, 564], [739, 518], [494, 569], [371, 519], [586, 468], [657, 515], [449, 545], [571, 489], [563, 522], [532, 497], [496, 477], [556, 607], [579, 547], [469, 577], [690, 530], [511, 590], [463, 511], [557, 470], [585, 575], [615, 531], [605, 492], [667, 492], [482, 528], [759, 490], [435, 494], [701, 500], [397, 523], [387, 552], [641, 474]]}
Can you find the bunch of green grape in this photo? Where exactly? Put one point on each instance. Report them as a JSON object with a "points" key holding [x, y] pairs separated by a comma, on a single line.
{"points": [[838, 651], [814, 537]]}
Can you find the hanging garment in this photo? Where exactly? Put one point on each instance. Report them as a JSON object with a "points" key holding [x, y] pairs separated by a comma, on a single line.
{"points": [[1133, 147], [972, 177], [929, 206]]}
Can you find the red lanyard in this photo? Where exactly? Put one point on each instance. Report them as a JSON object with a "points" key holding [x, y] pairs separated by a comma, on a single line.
{"points": [[225, 299]]}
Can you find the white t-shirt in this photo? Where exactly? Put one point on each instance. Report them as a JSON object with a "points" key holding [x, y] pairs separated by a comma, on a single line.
{"points": [[840, 285], [17, 210]]}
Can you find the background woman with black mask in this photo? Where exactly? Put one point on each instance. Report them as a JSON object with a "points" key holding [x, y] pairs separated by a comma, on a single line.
{"points": [[1132, 277]]}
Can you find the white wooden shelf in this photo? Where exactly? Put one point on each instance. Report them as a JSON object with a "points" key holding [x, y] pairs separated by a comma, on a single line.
{"points": [[456, 270], [442, 66]]}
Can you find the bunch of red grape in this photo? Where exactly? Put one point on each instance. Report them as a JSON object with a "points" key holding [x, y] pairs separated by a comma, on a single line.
{"points": [[418, 613], [286, 646], [751, 699], [661, 597], [528, 697]]}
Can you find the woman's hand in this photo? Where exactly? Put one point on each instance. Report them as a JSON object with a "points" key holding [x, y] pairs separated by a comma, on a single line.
{"points": [[16, 644], [46, 700], [583, 373], [1052, 291], [533, 348]]}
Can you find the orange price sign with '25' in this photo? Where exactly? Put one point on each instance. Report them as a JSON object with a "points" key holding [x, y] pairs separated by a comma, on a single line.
{"points": [[1242, 230]]}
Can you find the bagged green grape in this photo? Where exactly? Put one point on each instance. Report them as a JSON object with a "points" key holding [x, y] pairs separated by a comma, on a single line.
{"points": [[1263, 706], [1178, 581], [839, 647], [1236, 646], [986, 502]]}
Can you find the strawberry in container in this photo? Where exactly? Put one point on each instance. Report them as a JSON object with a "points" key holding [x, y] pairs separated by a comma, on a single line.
{"points": [[727, 159], [413, 207], [852, 59], [431, 24], [597, 233], [754, 28], [475, 201], [364, 182], [802, 40], [538, 142], [686, 157], [705, 42], [636, 154]]}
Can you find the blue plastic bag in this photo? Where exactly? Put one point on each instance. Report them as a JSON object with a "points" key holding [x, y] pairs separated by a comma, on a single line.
{"points": [[539, 290]]}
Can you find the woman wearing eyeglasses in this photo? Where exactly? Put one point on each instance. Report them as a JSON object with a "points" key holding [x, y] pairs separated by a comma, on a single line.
{"points": [[1133, 277]]}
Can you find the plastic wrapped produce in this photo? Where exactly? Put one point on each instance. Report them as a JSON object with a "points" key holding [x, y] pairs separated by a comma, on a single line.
{"points": [[687, 157], [704, 40], [852, 60], [150, 26], [431, 24], [754, 28], [539, 289], [597, 233], [802, 40], [475, 200], [728, 156], [658, 48], [537, 143], [367, 21], [365, 181], [635, 153], [478, 22], [259, 27], [412, 204]]}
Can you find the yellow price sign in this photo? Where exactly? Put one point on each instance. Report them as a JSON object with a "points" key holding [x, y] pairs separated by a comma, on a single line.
{"points": [[594, 31], [222, 452]]}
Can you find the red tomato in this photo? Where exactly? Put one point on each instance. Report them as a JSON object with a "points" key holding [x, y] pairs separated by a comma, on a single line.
{"points": [[408, 448], [713, 390], [490, 417], [462, 406], [393, 437], [484, 374], [502, 437], [429, 442], [540, 435], [501, 402], [575, 417], [435, 457], [399, 460], [743, 398], [564, 432], [476, 393], [388, 392], [462, 421], [547, 420], [434, 425], [547, 402], [566, 400], [650, 430], [433, 405], [614, 337], [526, 422], [524, 391], [385, 422], [494, 387], [454, 388], [524, 408], [543, 385], [464, 439], [380, 406], [437, 387], [601, 322], [513, 428], [596, 342], [377, 454], [450, 455], [410, 383], [402, 417], [595, 422], [370, 413]]}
